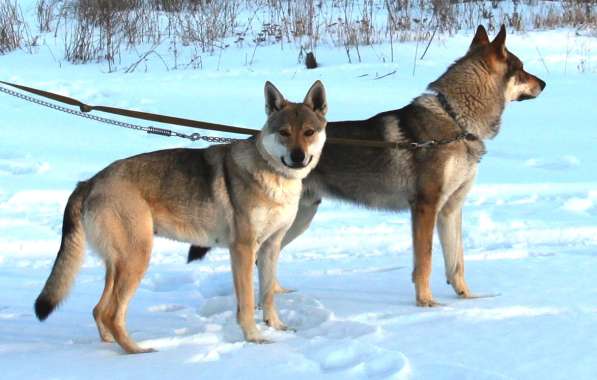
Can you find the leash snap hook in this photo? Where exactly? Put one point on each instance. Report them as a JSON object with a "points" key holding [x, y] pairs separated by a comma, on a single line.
{"points": [[194, 136], [427, 144], [85, 108]]}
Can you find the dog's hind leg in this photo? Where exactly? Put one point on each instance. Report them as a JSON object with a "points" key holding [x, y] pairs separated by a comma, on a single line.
{"points": [[101, 309], [129, 273], [122, 231], [307, 209]]}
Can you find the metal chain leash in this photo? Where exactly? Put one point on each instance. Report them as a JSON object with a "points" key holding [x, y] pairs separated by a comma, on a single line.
{"points": [[463, 136], [150, 130]]}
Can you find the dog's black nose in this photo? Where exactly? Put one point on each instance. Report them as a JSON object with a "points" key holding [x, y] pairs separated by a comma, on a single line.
{"points": [[297, 156], [541, 83]]}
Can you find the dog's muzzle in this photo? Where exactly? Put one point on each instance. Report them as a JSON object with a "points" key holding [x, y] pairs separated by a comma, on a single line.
{"points": [[296, 165]]}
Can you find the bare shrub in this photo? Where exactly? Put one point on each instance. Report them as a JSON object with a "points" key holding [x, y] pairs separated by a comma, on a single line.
{"points": [[208, 23], [46, 13], [14, 32]]}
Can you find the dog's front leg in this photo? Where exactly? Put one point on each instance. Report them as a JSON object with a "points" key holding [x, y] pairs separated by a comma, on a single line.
{"points": [[450, 234], [423, 218], [242, 256], [267, 262]]}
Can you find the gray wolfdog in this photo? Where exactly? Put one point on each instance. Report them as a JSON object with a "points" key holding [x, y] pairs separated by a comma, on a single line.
{"points": [[447, 126], [243, 195], [464, 106]]}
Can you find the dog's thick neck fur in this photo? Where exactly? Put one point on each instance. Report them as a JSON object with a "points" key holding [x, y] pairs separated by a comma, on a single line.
{"points": [[471, 89], [275, 182]]}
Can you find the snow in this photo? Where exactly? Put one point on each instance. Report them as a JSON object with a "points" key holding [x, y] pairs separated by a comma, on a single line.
{"points": [[530, 231]]}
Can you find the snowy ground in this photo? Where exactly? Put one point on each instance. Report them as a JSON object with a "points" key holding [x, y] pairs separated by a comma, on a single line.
{"points": [[530, 232]]}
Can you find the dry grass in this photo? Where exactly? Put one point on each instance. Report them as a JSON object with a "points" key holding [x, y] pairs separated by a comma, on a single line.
{"points": [[101, 30], [14, 31]]}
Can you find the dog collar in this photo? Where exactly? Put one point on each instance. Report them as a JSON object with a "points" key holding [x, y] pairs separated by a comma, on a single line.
{"points": [[447, 107]]}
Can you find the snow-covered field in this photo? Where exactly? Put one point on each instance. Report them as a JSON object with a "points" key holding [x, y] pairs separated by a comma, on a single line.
{"points": [[530, 231]]}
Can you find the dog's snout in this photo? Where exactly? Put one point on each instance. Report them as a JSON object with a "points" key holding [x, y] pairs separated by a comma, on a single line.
{"points": [[541, 84], [297, 155]]}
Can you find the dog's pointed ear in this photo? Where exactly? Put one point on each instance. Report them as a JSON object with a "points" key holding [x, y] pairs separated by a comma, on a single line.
{"points": [[316, 98], [274, 100], [480, 39], [499, 43]]}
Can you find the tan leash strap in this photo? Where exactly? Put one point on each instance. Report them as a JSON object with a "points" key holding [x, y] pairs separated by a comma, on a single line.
{"points": [[185, 122]]}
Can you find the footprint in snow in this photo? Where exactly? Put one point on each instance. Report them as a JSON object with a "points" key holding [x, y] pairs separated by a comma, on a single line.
{"points": [[359, 359], [333, 329]]}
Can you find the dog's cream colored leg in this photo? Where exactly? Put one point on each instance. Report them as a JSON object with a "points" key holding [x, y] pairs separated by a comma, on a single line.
{"points": [[449, 228], [242, 256], [268, 262], [308, 206], [450, 234], [423, 223]]}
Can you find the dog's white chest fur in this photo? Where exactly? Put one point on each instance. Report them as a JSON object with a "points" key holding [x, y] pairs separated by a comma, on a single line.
{"points": [[278, 213]]}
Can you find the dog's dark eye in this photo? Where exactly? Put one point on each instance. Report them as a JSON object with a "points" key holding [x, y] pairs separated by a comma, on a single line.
{"points": [[284, 133], [309, 132]]}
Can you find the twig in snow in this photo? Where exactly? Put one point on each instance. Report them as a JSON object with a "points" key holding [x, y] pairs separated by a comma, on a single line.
{"points": [[430, 40], [133, 67], [543, 61], [253, 56], [385, 75]]}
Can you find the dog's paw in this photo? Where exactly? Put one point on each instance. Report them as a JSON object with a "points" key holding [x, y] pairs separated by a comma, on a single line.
{"points": [[428, 302], [253, 335], [260, 340], [277, 325], [281, 290], [424, 297], [274, 322], [460, 287], [140, 350]]}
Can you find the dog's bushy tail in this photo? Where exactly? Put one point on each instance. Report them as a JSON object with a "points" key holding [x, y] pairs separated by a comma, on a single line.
{"points": [[197, 253], [70, 255]]}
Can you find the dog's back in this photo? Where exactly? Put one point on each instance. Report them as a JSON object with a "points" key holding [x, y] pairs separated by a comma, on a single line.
{"points": [[184, 190]]}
